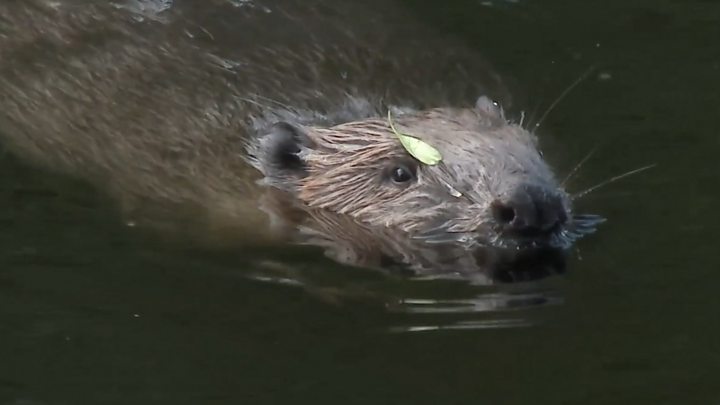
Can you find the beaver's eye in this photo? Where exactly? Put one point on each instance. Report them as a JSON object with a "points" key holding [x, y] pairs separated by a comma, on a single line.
{"points": [[401, 174]]}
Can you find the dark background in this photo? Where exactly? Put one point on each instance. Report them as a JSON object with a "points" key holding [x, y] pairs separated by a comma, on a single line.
{"points": [[93, 311]]}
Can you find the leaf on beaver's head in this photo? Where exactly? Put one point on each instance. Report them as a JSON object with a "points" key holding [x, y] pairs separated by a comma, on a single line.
{"points": [[417, 148]]}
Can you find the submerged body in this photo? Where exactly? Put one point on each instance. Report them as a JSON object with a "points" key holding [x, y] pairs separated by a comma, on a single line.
{"points": [[191, 102]]}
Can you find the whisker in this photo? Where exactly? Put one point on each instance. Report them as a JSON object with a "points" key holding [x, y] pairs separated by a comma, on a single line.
{"points": [[563, 95], [585, 192], [533, 114], [578, 166]]}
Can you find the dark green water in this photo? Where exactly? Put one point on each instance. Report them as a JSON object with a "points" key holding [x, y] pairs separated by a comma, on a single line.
{"points": [[93, 311]]}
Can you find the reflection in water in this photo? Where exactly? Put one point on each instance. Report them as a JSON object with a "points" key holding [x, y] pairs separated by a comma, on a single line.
{"points": [[487, 310], [441, 285], [507, 323], [426, 303]]}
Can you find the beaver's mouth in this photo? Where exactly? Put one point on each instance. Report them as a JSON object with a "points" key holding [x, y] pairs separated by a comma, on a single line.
{"points": [[560, 237]]}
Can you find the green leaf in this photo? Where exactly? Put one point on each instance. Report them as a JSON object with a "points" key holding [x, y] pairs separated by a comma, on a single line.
{"points": [[417, 148]]}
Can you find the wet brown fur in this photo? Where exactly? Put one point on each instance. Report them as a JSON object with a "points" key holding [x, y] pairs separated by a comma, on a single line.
{"points": [[161, 107]]}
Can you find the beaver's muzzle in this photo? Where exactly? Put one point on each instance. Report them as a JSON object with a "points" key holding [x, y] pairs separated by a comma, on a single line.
{"points": [[530, 211]]}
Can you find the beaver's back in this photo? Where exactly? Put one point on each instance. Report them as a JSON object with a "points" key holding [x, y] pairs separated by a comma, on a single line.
{"points": [[157, 99]]}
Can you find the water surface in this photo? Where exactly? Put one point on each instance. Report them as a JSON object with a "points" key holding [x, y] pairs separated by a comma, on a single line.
{"points": [[93, 311]]}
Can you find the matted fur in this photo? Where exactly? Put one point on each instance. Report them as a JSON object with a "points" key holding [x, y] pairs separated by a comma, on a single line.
{"points": [[485, 159]]}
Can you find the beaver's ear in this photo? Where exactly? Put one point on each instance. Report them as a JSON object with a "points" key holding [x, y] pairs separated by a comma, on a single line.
{"points": [[281, 151]]}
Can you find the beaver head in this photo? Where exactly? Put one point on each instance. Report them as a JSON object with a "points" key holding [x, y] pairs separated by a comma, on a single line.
{"points": [[492, 186]]}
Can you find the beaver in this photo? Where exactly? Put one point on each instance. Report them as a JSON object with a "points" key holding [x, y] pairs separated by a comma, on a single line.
{"points": [[207, 103]]}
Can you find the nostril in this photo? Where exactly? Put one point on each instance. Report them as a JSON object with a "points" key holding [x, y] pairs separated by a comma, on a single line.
{"points": [[530, 212], [503, 213]]}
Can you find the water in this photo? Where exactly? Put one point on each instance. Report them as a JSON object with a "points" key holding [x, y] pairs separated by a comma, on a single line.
{"points": [[94, 311]]}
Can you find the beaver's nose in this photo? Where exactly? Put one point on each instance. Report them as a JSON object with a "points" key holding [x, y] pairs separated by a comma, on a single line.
{"points": [[530, 211]]}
